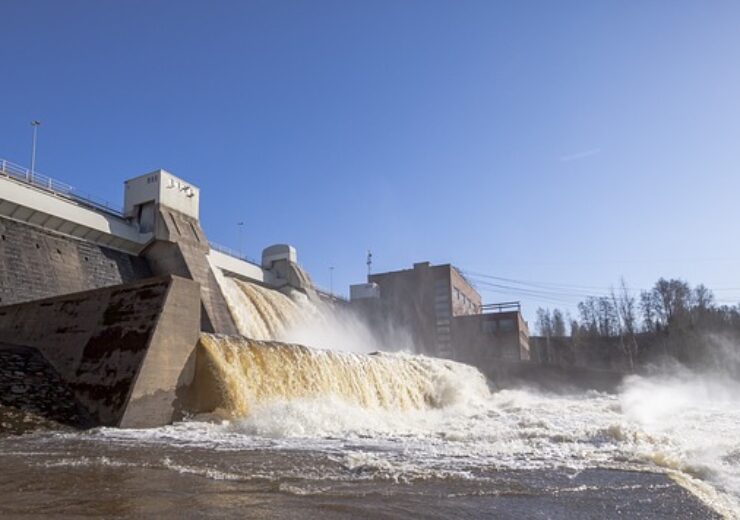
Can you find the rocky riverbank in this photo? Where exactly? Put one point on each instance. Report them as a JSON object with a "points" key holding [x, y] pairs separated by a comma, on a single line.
{"points": [[33, 396]]}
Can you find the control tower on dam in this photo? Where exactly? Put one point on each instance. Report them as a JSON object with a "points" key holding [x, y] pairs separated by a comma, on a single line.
{"points": [[112, 300]]}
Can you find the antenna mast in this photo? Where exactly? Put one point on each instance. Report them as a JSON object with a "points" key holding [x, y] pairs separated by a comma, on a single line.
{"points": [[35, 124]]}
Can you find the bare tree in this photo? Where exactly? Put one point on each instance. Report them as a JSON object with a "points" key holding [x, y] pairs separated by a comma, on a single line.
{"points": [[608, 317], [671, 299], [544, 322], [703, 298], [557, 323], [649, 321], [589, 312], [626, 305]]}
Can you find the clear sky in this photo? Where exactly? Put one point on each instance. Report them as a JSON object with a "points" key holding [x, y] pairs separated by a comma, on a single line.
{"points": [[562, 142]]}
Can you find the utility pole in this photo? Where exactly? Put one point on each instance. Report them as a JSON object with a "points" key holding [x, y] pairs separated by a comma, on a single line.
{"points": [[240, 225], [331, 280], [35, 124]]}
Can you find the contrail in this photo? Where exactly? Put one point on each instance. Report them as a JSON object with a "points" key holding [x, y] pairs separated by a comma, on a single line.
{"points": [[580, 155]]}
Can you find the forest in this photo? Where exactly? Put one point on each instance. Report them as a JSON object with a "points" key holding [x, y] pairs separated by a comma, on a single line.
{"points": [[626, 331]]}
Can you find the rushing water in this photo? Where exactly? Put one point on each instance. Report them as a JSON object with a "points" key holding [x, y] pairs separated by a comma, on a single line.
{"points": [[266, 314], [249, 374], [515, 453], [298, 432]]}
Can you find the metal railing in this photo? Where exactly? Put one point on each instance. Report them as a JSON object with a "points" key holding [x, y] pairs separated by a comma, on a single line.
{"points": [[501, 307], [330, 295], [240, 256], [55, 187], [233, 253]]}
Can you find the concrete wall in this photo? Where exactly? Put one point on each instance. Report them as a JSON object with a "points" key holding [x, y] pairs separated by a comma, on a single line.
{"points": [[465, 299], [242, 268], [491, 341], [36, 263], [424, 300], [23, 202], [181, 249], [408, 297], [125, 352]]}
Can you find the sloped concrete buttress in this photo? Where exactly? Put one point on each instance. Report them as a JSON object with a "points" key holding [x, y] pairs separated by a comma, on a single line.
{"points": [[180, 248], [125, 352]]}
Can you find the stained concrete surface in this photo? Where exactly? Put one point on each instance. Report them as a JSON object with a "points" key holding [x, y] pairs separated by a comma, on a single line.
{"points": [[36, 263], [125, 352]]}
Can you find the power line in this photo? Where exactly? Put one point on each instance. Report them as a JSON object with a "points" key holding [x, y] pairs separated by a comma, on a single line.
{"points": [[555, 293], [552, 292], [553, 285]]}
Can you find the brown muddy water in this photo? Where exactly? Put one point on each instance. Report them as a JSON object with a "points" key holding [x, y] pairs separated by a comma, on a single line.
{"points": [[658, 449], [305, 433], [103, 475]]}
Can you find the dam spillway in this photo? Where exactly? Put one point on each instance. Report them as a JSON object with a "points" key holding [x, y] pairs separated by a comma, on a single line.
{"points": [[261, 313], [235, 375]]}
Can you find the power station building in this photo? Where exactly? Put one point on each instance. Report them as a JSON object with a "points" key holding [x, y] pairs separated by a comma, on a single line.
{"points": [[445, 315], [497, 336]]}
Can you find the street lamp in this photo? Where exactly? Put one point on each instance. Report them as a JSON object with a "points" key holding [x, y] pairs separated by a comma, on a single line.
{"points": [[331, 281], [240, 225], [35, 124]]}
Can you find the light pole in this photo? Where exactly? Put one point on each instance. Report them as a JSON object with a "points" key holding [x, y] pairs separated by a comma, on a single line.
{"points": [[240, 225], [331, 281], [35, 124]]}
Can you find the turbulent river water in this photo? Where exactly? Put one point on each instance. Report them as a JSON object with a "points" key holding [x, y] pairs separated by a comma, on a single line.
{"points": [[307, 433]]}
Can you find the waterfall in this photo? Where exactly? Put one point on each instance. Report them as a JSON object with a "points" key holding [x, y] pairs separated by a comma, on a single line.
{"points": [[267, 314], [281, 356], [236, 374]]}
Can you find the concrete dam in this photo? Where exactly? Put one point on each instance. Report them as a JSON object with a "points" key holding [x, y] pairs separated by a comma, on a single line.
{"points": [[103, 311]]}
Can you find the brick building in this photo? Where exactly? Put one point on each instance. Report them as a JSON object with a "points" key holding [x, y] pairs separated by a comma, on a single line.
{"points": [[425, 299], [496, 337], [444, 314]]}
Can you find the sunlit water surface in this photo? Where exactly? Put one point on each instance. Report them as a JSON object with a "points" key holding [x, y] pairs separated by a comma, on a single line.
{"points": [[506, 453]]}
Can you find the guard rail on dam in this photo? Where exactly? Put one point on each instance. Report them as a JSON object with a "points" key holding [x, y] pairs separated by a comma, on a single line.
{"points": [[55, 187], [232, 253]]}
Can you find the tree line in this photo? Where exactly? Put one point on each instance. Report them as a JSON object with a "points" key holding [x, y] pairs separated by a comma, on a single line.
{"points": [[623, 330]]}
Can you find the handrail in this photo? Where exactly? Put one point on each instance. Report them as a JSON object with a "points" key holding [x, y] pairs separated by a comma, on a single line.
{"points": [[55, 187], [501, 307], [231, 252], [330, 295]]}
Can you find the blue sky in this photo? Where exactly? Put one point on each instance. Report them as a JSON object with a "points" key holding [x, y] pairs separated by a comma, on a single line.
{"points": [[562, 142]]}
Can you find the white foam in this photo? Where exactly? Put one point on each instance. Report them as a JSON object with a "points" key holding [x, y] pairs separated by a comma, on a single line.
{"points": [[687, 426]]}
